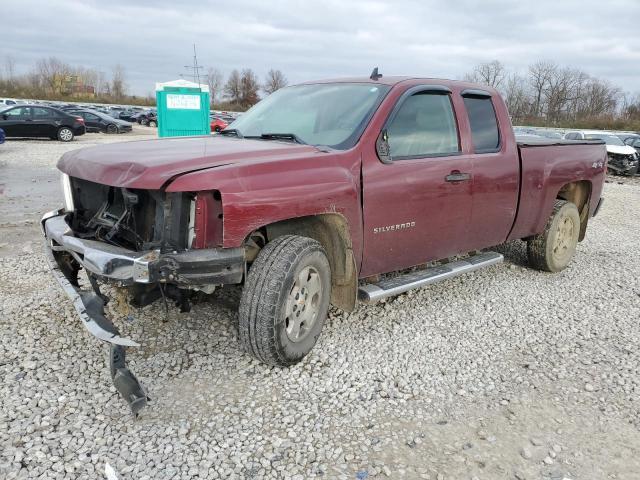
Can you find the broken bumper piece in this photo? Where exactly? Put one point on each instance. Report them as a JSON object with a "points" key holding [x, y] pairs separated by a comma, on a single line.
{"points": [[90, 308], [67, 254]]}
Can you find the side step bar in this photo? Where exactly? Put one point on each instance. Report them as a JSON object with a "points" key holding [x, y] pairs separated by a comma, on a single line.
{"points": [[373, 292]]}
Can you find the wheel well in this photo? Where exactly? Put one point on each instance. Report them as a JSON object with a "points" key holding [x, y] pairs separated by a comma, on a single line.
{"points": [[578, 193], [332, 231]]}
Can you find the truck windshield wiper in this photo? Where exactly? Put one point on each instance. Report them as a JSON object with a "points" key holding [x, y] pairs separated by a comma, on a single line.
{"points": [[283, 136], [231, 131]]}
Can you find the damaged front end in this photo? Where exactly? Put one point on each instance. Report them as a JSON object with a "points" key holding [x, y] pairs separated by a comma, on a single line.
{"points": [[623, 164], [140, 240]]}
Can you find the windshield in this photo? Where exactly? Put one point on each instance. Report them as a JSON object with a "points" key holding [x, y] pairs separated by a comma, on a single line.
{"points": [[331, 114], [608, 139]]}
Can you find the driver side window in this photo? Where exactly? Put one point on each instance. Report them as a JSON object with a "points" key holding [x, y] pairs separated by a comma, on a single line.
{"points": [[20, 112], [424, 126]]}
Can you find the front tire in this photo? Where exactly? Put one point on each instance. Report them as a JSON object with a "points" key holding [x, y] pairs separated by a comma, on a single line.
{"points": [[65, 134], [152, 123], [553, 249], [111, 128], [285, 300]]}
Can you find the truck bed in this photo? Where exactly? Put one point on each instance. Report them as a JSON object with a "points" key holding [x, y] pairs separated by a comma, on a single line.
{"points": [[548, 164]]}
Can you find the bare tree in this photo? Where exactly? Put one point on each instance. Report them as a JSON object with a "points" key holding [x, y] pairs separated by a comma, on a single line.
{"points": [[540, 74], [490, 73], [118, 85], [516, 96], [275, 81], [214, 81], [249, 86], [233, 88], [9, 67], [52, 72]]}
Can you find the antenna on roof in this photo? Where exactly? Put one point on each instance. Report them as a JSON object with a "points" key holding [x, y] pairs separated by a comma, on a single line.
{"points": [[375, 75]]}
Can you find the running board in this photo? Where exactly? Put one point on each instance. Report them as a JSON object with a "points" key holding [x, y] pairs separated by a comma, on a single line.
{"points": [[372, 292]]}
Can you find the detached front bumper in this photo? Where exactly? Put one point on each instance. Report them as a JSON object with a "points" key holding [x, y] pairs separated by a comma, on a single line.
{"points": [[67, 254]]}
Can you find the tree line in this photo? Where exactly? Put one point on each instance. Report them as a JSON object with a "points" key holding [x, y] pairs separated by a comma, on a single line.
{"points": [[551, 95], [52, 79], [242, 88]]}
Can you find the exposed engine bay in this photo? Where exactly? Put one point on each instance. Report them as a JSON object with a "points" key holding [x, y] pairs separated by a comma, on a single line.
{"points": [[134, 219]]}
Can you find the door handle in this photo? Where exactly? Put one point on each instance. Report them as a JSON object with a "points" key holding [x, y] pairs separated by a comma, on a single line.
{"points": [[457, 176]]}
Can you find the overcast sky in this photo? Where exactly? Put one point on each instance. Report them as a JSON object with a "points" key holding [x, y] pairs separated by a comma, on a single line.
{"points": [[153, 39]]}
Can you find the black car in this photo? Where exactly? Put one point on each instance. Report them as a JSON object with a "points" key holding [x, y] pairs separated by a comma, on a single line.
{"points": [[101, 122], [39, 121], [149, 118]]}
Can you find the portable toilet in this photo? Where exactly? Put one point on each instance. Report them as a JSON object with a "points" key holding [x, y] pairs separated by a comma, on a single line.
{"points": [[183, 109]]}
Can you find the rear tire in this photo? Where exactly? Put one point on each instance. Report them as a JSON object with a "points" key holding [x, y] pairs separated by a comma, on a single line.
{"points": [[285, 300], [65, 134], [553, 249]]}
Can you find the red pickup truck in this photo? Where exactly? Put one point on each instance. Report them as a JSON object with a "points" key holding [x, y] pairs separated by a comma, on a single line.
{"points": [[308, 199]]}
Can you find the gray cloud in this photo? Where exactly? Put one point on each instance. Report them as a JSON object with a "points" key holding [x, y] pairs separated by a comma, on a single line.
{"points": [[309, 39]]}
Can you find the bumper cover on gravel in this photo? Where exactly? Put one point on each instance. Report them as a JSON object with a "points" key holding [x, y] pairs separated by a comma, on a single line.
{"points": [[126, 267]]}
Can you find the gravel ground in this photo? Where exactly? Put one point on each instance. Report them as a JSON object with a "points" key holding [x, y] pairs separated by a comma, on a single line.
{"points": [[506, 373]]}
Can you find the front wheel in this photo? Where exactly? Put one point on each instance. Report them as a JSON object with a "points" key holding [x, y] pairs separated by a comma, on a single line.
{"points": [[553, 249], [111, 128], [152, 123], [65, 134], [285, 300]]}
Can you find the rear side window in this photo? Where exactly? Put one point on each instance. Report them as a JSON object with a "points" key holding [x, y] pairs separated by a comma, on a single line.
{"points": [[484, 124], [424, 126], [39, 112]]}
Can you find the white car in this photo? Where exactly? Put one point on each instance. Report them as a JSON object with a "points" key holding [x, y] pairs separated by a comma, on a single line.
{"points": [[6, 102], [623, 159]]}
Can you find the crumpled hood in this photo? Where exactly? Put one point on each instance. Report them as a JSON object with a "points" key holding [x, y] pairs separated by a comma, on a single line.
{"points": [[150, 164], [621, 149]]}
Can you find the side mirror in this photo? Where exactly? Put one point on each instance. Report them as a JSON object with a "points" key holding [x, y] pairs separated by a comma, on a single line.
{"points": [[5, 116], [382, 147]]}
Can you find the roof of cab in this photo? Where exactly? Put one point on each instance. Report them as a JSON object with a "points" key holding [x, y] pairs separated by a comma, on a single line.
{"points": [[394, 80]]}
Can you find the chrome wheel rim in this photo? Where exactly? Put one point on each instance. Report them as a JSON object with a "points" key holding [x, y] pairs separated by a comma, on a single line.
{"points": [[564, 242], [303, 304], [66, 134]]}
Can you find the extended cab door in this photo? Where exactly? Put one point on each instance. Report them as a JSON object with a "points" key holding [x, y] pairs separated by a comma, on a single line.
{"points": [[417, 199], [496, 168]]}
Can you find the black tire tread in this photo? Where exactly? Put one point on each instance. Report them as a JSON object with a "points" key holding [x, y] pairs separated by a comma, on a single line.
{"points": [[260, 296]]}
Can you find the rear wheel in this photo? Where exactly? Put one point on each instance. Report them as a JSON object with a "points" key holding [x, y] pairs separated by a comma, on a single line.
{"points": [[65, 134], [553, 249], [285, 300]]}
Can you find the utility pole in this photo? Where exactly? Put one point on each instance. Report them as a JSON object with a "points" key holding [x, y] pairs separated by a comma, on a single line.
{"points": [[194, 69]]}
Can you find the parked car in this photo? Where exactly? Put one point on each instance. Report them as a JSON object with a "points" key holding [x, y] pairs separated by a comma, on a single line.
{"points": [[39, 121], [149, 119], [127, 115], [549, 134], [634, 141], [100, 122], [376, 178], [5, 102], [218, 124], [623, 159]]}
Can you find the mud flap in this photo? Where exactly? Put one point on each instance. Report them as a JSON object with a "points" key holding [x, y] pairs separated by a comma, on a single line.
{"points": [[90, 308]]}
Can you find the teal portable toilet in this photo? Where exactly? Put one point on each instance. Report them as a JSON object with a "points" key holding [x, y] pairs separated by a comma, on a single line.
{"points": [[183, 109]]}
